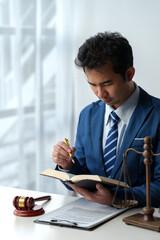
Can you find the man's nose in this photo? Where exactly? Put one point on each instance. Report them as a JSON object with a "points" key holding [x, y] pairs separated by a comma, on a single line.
{"points": [[101, 92]]}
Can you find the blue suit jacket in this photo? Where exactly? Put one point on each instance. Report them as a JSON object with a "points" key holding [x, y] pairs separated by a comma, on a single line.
{"points": [[145, 121]]}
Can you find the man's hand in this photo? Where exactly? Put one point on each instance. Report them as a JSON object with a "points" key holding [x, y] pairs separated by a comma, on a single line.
{"points": [[60, 155], [102, 195]]}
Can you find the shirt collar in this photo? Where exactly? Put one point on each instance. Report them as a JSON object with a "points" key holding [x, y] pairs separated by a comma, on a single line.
{"points": [[125, 111]]}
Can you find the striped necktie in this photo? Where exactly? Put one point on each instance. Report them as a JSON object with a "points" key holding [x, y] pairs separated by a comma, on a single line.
{"points": [[111, 145]]}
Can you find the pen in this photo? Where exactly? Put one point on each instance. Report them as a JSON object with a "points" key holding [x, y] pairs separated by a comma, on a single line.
{"points": [[70, 154]]}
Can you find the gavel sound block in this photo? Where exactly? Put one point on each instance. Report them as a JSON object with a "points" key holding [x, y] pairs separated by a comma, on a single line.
{"points": [[25, 206]]}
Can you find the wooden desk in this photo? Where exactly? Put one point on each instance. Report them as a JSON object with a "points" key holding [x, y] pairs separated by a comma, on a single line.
{"points": [[21, 228]]}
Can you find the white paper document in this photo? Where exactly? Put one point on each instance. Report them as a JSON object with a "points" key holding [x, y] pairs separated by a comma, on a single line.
{"points": [[80, 213]]}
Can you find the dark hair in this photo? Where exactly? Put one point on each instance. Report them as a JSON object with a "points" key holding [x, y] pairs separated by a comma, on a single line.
{"points": [[103, 47]]}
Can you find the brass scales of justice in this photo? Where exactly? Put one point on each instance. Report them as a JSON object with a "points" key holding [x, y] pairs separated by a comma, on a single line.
{"points": [[146, 219]]}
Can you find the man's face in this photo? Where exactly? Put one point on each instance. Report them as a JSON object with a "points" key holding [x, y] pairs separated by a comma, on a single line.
{"points": [[110, 87]]}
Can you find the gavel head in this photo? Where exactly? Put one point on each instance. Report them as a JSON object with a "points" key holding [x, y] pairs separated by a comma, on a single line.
{"points": [[23, 203]]}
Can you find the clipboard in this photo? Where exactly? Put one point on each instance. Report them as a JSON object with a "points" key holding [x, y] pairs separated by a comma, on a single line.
{"points": [[80, 214]]}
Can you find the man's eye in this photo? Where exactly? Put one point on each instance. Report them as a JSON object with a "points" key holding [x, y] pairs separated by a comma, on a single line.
{"points": [[107, 84], [93, 85]]}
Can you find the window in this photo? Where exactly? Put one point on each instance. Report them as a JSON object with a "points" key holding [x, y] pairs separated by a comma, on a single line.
{"points": [[30, 101]]}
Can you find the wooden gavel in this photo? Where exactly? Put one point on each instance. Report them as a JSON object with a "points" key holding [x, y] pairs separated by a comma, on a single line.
{"points": [[25, 203]]}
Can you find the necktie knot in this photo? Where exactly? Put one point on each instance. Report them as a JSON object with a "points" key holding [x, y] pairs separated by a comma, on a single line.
{"points": [[114, 117]]}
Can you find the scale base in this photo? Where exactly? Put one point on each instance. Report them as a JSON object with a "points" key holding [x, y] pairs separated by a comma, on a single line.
{"points": [[138, 220]]}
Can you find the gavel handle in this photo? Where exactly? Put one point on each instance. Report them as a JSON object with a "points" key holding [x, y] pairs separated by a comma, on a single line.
{"points": [[42, 198]]}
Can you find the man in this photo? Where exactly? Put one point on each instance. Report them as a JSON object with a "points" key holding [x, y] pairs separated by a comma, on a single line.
{"points": [[107, 61]]}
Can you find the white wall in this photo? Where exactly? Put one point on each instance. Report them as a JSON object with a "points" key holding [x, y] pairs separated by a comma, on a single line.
{"points": [[138, 21]]}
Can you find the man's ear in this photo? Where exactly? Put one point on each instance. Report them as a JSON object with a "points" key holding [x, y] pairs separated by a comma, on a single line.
{"points": [[130, 73]]}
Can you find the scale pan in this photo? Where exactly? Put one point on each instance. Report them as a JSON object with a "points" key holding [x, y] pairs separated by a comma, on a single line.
{"points": [[125, 203]]}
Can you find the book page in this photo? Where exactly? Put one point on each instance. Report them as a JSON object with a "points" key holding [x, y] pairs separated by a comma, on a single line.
{"points": [[114, 181], [77, 178], [56, 174], [81, 213]]}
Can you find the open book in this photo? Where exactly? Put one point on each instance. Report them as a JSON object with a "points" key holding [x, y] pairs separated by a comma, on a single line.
{"points": [[86, 180]]}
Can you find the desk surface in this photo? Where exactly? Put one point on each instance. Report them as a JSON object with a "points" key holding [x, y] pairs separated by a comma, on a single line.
{"points": [[17, 228]]}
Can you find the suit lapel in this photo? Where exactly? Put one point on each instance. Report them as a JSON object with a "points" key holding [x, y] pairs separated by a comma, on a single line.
{"points": [[143, 108], [97, 123]]}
